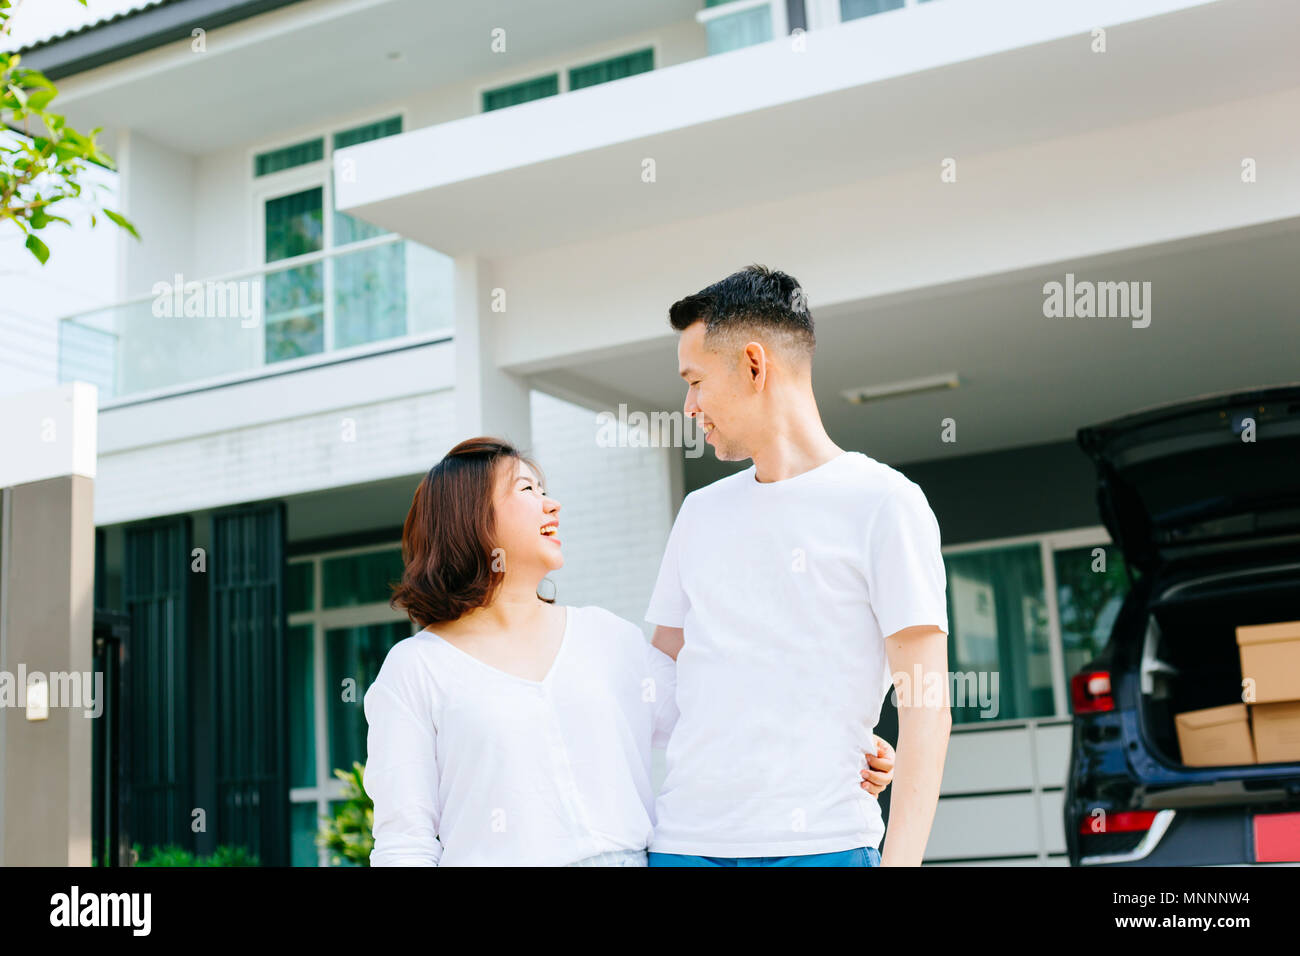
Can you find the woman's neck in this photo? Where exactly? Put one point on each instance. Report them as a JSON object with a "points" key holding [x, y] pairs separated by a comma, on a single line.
{"points": [[515, 606]]}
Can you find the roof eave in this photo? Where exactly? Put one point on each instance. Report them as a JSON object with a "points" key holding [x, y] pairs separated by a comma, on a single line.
{"points": [[136, 32]]}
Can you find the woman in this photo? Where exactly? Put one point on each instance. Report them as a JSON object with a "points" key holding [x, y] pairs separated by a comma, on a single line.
{"points": [[510, 730]]}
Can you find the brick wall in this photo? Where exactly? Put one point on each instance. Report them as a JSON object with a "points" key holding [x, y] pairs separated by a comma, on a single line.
{"points": [[615, 509]]}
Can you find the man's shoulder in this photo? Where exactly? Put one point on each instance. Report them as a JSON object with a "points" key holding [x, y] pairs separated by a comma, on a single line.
{"points": [[720, 486], [697, 503], [869, 479], [876, 476], [602, 627], [602, 620]]}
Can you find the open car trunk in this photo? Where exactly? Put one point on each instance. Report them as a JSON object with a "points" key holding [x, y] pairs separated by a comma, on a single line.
{"points": [[1190, 658]]}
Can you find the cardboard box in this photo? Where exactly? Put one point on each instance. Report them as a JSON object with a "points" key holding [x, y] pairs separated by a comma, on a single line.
{"points": [[1276, 731], [1270, 655], [1215, 736]]}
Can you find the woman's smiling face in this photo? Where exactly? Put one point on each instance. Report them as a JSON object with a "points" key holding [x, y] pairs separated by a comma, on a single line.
{"points": [[527, 521]]}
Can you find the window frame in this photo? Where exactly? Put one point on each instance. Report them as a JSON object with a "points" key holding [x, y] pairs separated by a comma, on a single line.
{"points": [[296, 179], [561, 66], [1048, 544], [777, 10], [328, 788], [822, 14], [568, 71], [256, 154]]}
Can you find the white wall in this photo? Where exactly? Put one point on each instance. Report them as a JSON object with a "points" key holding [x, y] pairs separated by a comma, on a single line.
{"points": [[80, 274], [158, 197], [341, 424], [1009, 210], [615, 510]]}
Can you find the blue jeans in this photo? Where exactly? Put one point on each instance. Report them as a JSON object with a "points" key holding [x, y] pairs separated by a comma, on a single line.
{"points": [[862, 856]]}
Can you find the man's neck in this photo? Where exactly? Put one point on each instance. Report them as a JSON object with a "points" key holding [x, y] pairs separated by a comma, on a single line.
{"points": [[793, 450]]}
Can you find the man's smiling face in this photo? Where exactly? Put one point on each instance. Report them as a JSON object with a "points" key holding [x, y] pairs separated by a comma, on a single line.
{"points": [[716, 394]]}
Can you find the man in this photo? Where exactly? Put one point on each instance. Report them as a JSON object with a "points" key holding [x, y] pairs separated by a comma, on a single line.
{"points": [[788, 593]]}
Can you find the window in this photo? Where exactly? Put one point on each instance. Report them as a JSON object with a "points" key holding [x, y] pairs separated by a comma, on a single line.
{"points": [[997, 616], [359, 578], [642, 61], [828, 13], [1091, 584], [732, 24], [1032, 610], [368, 295], [369, 299], [294, 299], [364, 134], [575, 78], [340, 629], [354, 654], [855, 9], [287, 157], [517, 93]]}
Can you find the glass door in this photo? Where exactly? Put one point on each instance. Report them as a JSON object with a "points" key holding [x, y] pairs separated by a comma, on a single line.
{"points": [[999, 641], [341, 628]]}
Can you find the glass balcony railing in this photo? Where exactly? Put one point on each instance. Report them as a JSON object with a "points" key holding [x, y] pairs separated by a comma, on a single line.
{"points": [[287, 314]]}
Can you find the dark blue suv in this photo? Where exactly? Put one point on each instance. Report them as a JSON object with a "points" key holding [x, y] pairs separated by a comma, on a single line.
{"points": [[1203, 499]]}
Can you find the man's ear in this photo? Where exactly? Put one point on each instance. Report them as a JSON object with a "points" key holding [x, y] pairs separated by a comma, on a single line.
{"points": [[756, 358]]}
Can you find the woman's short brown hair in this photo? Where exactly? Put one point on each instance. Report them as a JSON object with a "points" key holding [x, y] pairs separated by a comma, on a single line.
{"points": [[450, 532]]}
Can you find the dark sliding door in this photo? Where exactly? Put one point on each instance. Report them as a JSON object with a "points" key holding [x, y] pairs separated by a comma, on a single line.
{"points": [[247, 642], [155, 584]]}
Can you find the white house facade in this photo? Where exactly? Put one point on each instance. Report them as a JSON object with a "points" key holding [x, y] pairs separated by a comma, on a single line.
{"points": [[372, 228]]}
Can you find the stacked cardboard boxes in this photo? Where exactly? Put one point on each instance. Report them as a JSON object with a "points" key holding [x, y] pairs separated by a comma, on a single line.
{"points": [[1265, 729], [1270, 660]]}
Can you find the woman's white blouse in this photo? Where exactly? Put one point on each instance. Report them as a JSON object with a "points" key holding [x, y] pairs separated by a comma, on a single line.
{"points": [[468, 765]]}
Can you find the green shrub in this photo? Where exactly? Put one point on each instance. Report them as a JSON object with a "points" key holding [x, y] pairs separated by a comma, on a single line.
{"points": [[173, 855], [349, 833]]}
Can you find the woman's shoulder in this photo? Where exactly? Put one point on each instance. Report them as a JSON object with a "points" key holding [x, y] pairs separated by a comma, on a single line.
{"points": [[409, 650], [408, 667]]}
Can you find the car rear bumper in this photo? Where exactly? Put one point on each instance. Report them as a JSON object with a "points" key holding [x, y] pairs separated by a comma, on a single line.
{"points": [[1209, 836]]}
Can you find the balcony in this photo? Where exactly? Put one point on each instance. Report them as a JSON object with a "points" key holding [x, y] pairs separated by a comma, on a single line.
{"points": [[375, 295], [871, 90]]}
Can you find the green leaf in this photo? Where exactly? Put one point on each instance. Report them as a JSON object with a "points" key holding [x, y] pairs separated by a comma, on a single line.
{"points": [[121, 221], [40, 99], [39, 249]]}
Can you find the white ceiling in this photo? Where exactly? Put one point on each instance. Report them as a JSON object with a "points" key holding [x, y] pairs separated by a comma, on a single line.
{"points": [[1225, 315], [293, 75]]}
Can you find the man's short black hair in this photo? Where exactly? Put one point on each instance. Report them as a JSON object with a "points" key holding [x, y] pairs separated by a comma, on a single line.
{"points": [[753, 298]]}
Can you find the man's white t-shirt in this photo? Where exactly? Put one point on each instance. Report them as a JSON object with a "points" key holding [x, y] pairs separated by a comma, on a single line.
{"points": [[785, 592]]}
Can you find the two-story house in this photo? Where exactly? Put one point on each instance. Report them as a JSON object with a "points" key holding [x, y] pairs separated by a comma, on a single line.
{"points": [[372, 228]]}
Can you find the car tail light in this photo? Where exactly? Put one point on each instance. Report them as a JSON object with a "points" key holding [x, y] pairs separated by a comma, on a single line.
{"points": [[1128, 821], [1091, 692]]}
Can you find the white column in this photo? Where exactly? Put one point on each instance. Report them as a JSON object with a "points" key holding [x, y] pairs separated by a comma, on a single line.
{"points": [[489, 401], [47, 562]]}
